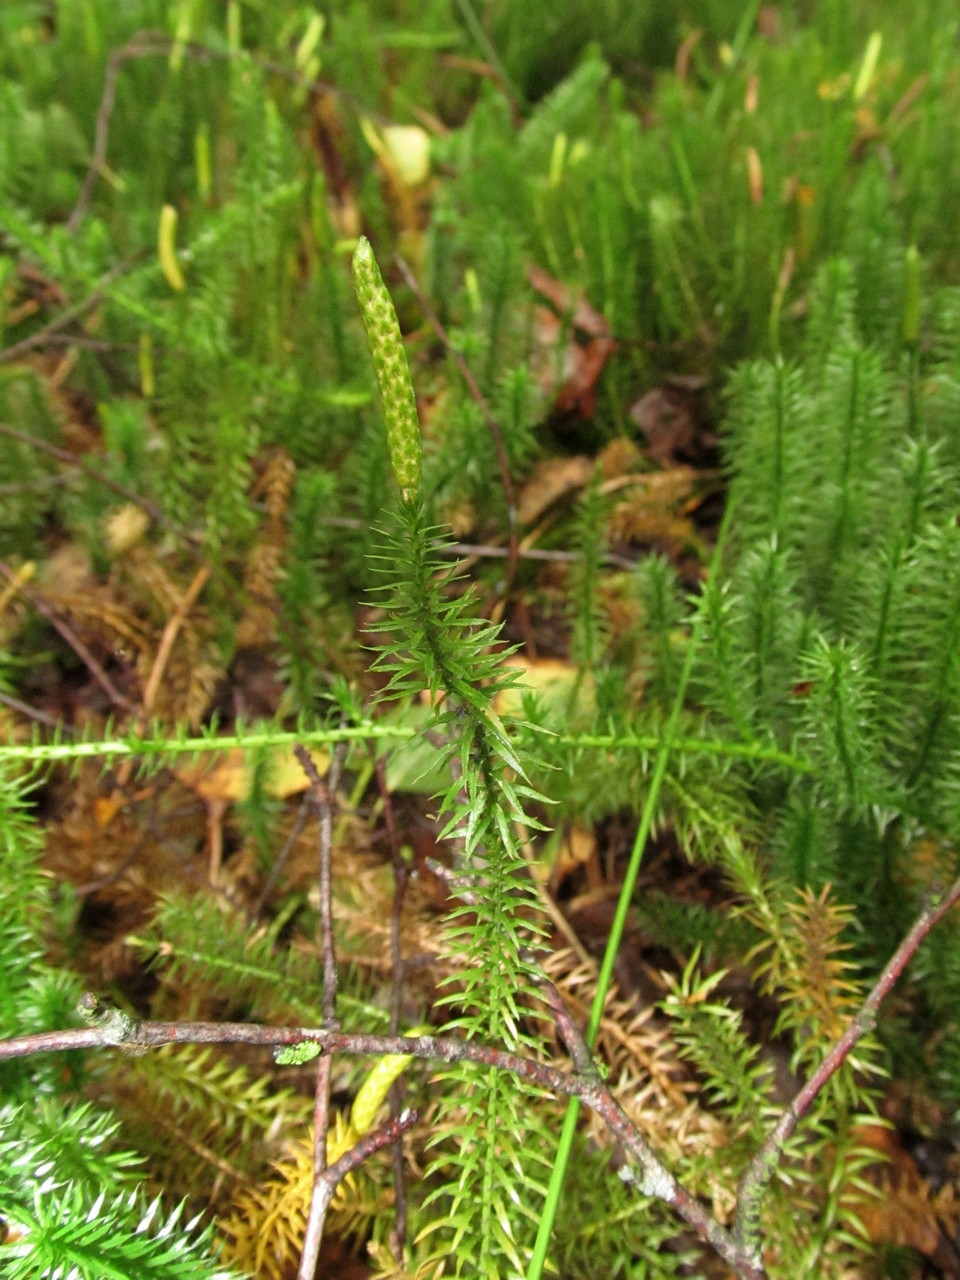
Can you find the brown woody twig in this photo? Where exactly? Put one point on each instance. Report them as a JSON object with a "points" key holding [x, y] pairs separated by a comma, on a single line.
{"points": [[388, 1134], [400, 878], [654, 1178], [740, 1246], [324, 1184]]}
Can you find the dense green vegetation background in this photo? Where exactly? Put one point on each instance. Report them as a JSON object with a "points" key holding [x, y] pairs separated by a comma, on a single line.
{"points": [[748, 208]]}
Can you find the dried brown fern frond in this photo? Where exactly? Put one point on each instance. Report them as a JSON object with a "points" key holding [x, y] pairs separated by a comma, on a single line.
{"points": [[806, 966], [276, 485], [103, 617], [630, 1037], [261, 573], [147, 580], [129, 842], [205, 676], [896, 1203], [264, 566], [12, 607], [386, 1266], [655, 510], [364, 904], [210, 1123], [182, 669], [179, 671], [263, 1234]]}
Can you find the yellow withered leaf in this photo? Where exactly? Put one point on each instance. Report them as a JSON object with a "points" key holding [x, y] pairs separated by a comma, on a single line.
{"points": [[230, 776]]}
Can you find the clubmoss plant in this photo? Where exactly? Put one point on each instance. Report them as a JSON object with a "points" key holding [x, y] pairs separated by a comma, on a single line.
{"points": [[437, 645], [771, 206]]}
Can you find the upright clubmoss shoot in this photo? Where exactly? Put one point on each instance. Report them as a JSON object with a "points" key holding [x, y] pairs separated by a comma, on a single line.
{"points": [[392, 369]]}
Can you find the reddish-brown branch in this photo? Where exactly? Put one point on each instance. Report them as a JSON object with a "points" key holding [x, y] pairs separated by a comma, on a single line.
{"points": [[654, 1179], [326, 1185], [322, 1190], [741, 1247], [321, 793], [34, 713], [400, 878]]}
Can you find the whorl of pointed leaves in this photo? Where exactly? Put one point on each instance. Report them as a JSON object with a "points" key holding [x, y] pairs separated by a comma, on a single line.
{"points": [[392, 369], [436, 642]]}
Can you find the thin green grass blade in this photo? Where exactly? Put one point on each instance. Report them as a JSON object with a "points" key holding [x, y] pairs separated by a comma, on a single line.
{"points": [[565, 1145]]}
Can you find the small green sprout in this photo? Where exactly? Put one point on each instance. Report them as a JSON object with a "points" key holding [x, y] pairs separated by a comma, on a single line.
{"points": [[294, 1055]]}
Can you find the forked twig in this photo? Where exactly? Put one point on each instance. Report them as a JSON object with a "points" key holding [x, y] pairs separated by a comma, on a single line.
{"points": [[739, 1246], [324, 1184], [654, 1179], [327, 1181]]}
